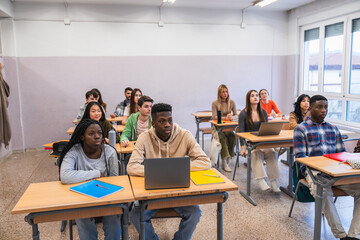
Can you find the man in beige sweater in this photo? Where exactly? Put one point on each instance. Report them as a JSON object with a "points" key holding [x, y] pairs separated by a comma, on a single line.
{"points": [[163, 140]]}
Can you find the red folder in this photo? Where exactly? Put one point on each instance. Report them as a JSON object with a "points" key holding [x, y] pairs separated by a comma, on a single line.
{"points": [[342, 156]]}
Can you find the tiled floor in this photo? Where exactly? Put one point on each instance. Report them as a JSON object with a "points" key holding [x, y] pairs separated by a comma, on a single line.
{"points": [[268, 220]]}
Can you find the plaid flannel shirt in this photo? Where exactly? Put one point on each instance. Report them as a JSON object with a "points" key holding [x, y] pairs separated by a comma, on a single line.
{"points": [[119, 111], [313, 139]]}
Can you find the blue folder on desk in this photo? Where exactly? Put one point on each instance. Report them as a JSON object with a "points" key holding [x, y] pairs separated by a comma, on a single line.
{"points": [[96, 189]]}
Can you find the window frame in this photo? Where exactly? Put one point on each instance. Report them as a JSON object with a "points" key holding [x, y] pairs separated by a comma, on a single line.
{"points": [[344, 94]]}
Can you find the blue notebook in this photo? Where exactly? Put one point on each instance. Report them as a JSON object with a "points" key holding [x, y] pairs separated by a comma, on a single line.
{"points": [[96, 189]]}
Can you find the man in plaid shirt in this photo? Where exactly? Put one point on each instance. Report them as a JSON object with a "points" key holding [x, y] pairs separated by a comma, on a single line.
{"points": [[119, 111], [315, 137]]}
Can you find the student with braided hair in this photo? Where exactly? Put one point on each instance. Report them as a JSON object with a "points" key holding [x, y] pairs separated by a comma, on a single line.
{"points": [[86, 157]]}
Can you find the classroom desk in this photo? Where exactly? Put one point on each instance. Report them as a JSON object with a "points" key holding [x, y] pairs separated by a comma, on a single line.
{"points": [[180, 197], [53, 201], [121, 151], [284, 139], [335, 174], [118, 129], [110, 119], [201, 117]]}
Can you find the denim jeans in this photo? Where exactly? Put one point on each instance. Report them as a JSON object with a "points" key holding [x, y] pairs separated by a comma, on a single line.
{"points": [[190, 216], [111, 226]]}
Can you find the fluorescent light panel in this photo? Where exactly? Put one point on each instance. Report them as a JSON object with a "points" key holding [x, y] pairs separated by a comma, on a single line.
{"points": [[263, 3], [169, 1]]}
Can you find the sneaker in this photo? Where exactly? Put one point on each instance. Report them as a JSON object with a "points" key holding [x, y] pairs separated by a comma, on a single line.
{"points": [[225, 167], [263, 185], [274, 186]]}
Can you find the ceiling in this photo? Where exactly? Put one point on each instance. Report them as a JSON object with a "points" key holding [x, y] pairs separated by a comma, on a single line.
{"points": [[280, 5]]}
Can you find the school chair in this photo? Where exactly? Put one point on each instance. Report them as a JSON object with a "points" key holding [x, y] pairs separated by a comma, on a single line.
{"points": [[204, 130]]}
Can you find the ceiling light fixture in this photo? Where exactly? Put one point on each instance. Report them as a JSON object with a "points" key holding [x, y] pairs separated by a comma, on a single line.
{"points": [[263, 3], [169, 1]]}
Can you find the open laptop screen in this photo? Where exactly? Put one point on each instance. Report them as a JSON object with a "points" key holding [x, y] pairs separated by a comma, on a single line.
{"points": [[167, 173]]}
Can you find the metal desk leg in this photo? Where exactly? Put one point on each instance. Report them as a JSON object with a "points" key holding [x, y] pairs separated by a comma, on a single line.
{"points": [[248, 181], [142, 222], [219, 221], [35, 231], [197, 129], [124, 222], [318, 209], [286, 162], [290, 159]]}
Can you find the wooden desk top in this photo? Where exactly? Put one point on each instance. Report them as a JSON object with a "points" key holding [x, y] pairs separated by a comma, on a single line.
{"points": [[224, 124], [138, 185], [118, 128], [50, 145], [115, 119], [128, 149], [204, 114], [70, 130], [284, 135], [328, 166], [48, 196], [207, 114]]}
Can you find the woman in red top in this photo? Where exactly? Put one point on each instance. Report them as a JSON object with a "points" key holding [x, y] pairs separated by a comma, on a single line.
{"points": [[268, 105]]}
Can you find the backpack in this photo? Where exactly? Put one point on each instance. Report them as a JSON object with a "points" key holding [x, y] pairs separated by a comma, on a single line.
{"points": [[303, 194]]}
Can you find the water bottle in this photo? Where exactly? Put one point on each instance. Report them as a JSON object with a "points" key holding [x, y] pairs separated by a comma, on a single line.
{"points": [[219, 115], [112, 138]]}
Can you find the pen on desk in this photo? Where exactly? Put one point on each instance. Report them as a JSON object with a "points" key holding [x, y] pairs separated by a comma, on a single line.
{"points": [[210, 175], [102, 186]]}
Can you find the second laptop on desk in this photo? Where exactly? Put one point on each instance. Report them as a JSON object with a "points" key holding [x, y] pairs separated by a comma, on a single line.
{"points": [[269, 128]]}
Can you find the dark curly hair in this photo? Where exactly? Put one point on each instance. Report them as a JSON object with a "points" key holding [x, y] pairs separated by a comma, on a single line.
{"points": [[160, 107], [297, 109]]}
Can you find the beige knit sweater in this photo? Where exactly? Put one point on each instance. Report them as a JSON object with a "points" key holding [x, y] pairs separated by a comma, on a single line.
{"points": [[181, 143]]}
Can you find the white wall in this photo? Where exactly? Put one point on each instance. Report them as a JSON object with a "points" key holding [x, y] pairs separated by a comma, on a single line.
{"points": [[114, 47]]}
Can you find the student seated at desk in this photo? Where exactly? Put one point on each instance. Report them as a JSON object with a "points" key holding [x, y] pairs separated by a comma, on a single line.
{"points": [[138, 122], [228, 110], [96, 112], [132, 108], [268, 104], [301, 111], [167, 139], [90, 96], [84, 158], [250, 120], [119, 110], [316, 137], [99, 99]]}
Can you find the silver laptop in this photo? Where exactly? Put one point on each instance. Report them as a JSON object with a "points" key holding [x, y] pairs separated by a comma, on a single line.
{"points": [[167, 173], [269, 128]]}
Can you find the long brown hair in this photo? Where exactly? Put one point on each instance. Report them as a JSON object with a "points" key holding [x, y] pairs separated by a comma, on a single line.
{"points": [[249, 121], [220, 89], [133, 104]]}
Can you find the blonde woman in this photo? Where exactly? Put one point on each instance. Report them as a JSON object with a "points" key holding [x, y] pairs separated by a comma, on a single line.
{"points": [[228, 110]]}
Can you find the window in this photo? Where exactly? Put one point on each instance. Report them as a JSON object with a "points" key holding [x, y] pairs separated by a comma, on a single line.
{"points": [[330, 63], [311, 56], [355, 58], [333, 56]]}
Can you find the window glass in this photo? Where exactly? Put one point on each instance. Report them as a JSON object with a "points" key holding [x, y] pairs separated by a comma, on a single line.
{"points": [[333, 57], [355, 58], [334, 109], [311, 59], [353, 111]]}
